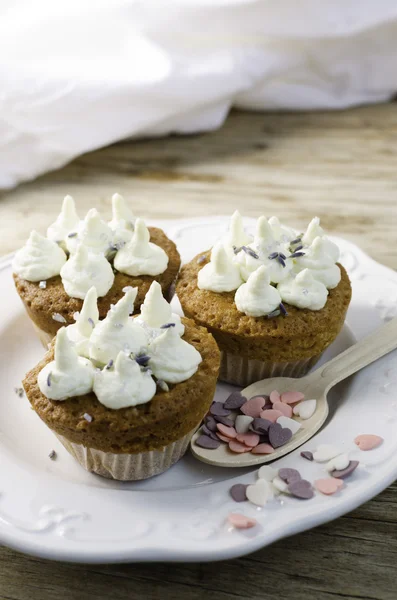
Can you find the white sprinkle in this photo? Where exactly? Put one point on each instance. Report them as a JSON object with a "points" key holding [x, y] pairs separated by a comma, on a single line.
{"points": [[338, 463], [242, 423], [325, 452], [59, 318], [87, 417], [305, 409], [43, 285], [280, 485], [293, 425], [267, 473]]}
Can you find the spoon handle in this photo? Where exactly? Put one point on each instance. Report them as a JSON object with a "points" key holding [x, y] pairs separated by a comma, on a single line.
{"points": [[374, 346]]}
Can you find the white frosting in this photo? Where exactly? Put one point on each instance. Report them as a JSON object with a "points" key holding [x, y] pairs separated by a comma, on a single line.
{"points": [[123, 221], [257, 297], [264, 245], [80, 332], [66, 222], [124, 385], [236, 235], [118, 332], [68, 375], [39, 259], [156, 311], [140, 256], [320, 263], [221, 274], [173, 359], [303, 291], [313, 231], [85, 269], [281, 232], [93, 233]]}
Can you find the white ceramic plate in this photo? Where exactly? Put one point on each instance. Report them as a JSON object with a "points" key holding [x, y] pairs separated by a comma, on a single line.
{"points": [[56, 510]]}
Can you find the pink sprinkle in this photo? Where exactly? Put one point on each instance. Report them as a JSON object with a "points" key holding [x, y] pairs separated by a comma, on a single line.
{"points": [[223, 437], [253, 407], [275, 396], [368, 441], [271, 415], [229, 432], [292, 397], [328, 486], [263, 449], [238, 447], [285, 409], [241, 521], [250, 439]]}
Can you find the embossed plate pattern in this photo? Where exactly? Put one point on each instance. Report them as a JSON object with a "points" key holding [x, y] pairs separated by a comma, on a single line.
{"points": [[56, 510]]}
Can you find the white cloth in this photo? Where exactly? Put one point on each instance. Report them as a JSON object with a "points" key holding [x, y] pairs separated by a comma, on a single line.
{"points": [[79, 75]]}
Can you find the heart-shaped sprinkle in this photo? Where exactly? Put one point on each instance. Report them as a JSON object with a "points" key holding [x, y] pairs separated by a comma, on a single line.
{"points": [[210, 423], [238, 492], [280, 485], [253, 408], [339, 463], [238, 447], [368, 441], [223, 438], [241, 521], [250, 439], [278, 436], [217, 409], [260, 425], [285, 409], [293, 425], [208, 443], [234, 401], [224, 420], [305, 409], [262, 448], [301, 489], [275, 397], [267, 473], [228, 432], [292, 397], [289, 475], [242, 423], [259, 493], [307, 454], [325, 452], [328, 486], [264, 396], [208, 432], [353, 464], [271, 415]]}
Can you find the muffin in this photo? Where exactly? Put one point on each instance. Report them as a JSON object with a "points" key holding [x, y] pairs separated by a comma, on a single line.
{"points": [[53, 274], [273, 302], [132, 417]]}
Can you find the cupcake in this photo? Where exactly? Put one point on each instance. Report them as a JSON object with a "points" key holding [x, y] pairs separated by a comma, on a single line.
{"points": [[53, 274], [125, 395], [273, 301]]}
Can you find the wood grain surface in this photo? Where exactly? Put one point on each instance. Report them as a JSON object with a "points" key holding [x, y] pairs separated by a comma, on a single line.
{"points": [[341, 166]]}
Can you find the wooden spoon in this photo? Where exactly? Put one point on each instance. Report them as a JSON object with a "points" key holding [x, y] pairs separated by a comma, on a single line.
{"points": [[315, 385]]}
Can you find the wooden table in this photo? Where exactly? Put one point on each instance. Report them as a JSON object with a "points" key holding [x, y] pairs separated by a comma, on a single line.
{"points": [[340, 166]]}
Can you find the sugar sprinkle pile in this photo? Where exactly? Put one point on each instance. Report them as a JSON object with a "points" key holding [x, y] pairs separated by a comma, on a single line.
{"points": [[259, 425]]}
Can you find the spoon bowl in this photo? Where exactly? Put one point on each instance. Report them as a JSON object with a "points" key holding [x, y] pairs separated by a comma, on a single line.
{"points": [[314, 386]]}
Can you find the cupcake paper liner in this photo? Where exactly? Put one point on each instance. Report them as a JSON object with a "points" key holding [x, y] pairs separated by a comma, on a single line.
{"points": [[242, 371], [128, 467]]}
